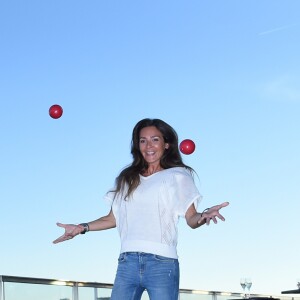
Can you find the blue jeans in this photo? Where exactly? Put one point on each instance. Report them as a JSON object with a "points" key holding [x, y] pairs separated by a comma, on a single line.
{"points": [[138, 271]]}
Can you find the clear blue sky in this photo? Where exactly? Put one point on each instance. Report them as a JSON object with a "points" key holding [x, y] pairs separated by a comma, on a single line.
{"points": [[223, 73]]}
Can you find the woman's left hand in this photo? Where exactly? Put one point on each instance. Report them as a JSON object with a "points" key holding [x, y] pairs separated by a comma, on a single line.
{"points": [[212, 213]]}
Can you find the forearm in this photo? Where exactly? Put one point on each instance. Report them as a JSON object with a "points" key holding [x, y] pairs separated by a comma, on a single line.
{"points": [[103, 223], [193, 221], [193, 218]]}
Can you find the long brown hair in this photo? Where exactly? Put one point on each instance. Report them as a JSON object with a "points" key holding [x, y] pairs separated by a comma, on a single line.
{"points": [[129, 177]]}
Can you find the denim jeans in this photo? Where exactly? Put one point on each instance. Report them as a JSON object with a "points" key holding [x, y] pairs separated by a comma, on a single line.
{"points": [[138, 271]]}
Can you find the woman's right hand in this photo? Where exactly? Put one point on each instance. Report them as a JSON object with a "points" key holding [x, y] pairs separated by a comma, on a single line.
{"points": [[71, 230]]}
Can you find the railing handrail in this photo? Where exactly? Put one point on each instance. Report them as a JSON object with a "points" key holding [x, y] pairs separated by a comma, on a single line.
{"points": [[76, 284], [34, 280], [62, 282]]}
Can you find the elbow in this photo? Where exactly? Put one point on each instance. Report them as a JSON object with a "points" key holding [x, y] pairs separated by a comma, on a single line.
{"points": [[192, 225]]}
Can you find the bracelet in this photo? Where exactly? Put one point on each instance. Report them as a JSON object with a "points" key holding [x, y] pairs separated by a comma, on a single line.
{"points": [[86, 228], [205, 210]]}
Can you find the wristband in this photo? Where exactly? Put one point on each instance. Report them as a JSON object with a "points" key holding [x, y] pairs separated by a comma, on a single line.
{"points": [[205, 210], [86, 228]]}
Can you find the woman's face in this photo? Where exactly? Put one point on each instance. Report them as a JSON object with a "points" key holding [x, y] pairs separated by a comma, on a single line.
{"points": [[152, 145]]}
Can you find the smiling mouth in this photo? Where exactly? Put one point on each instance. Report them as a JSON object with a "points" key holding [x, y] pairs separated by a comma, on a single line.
{"points": [[150, 152]]}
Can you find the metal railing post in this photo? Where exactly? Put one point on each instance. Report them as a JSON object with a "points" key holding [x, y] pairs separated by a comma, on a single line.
{"points": [[1, 288], [96, 293], [75, 295]]}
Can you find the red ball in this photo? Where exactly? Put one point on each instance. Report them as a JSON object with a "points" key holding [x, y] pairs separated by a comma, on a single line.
{"points": [[55, 111], [187, 146]]}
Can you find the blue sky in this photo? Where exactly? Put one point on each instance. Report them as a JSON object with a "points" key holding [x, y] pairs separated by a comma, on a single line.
{"points": [[223, 73]]}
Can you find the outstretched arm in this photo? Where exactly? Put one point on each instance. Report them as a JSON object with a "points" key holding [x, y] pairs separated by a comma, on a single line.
{"points": [[195, 219], [71, 230]]}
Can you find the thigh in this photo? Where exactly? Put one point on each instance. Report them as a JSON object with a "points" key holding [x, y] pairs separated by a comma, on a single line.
{"points": [[127, 285], [162, 278]]}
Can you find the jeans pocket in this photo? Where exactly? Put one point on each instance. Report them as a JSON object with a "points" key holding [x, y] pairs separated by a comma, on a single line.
{"points": [[122, 257]]}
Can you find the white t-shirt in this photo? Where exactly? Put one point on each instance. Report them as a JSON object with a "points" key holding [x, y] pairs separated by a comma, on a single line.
{"points": [[147, 221]]}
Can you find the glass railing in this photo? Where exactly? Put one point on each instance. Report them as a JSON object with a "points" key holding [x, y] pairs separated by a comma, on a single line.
{"points": [[26, 288]]}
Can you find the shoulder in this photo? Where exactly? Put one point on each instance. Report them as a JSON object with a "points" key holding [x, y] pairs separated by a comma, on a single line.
{"points": [[179, 173]]}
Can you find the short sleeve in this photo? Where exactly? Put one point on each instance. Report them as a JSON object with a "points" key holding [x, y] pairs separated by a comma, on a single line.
{"points": [[186, 192], [109, 198]]}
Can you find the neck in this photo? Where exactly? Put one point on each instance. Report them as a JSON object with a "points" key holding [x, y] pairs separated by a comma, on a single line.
{"points": [[151, 170]]}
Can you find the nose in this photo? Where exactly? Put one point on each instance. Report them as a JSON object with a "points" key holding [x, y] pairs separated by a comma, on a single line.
{"points": [[149, 144]]}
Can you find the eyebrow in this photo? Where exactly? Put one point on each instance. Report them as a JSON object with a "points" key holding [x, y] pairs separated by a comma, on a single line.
{"points": [[153, 136]]}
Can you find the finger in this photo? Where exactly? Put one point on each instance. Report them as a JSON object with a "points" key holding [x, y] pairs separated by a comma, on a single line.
{"points": [[62, 239], [58, 240], [224, 204], [207, 221], [221, 217], [61, 225]]}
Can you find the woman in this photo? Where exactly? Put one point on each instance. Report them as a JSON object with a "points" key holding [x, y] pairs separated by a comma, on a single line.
{"points": [[149, 197]]}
